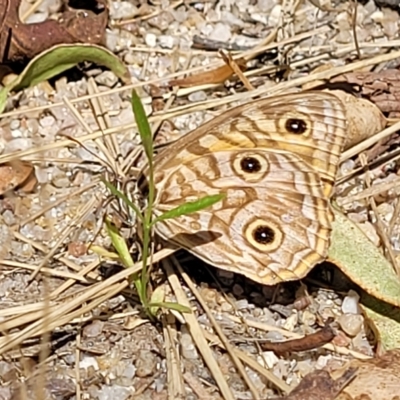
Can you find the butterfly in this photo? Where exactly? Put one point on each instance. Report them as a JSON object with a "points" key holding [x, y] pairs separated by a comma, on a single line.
{"points": [[275, 160]]}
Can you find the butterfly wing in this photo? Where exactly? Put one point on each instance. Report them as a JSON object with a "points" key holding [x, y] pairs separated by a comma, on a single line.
{"points": [[273, 225], [309, 124]]}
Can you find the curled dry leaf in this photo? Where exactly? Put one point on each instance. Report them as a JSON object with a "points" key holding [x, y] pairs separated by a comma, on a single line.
{"points": [[382, 88], [21, 42], [217, 75], [376, 379], [15, 174], [319, 385], [364, 118]]}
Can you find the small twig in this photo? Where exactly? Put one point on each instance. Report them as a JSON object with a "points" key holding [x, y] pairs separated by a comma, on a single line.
{"points": [[354, 28], [381, 228], [308, 342], [236, 68]]}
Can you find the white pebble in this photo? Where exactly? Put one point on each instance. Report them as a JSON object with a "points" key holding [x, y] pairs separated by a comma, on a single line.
{"points": [[122, 10], [221, 32], [151, 39], [350, 303], [351, 324]]}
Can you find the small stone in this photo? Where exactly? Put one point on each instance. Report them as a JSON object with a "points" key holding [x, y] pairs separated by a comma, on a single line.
{"points": [[242, 304], [47, 121], [163, 20], [275, 15], [350, 303], [146, 363], [150, 39], [106, 78], [15, 124], [37, 18], [226, 307], [122, 10], [32, 125], [188, 347], [197, 96], [268, 359], [237, 290], [308, 318], [94, 329], [291, 322], [304, 367], [221, 32], [351, 324], [167, 42]]}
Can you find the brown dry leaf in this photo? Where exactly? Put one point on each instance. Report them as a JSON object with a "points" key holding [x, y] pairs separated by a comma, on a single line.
{"points": [[22, 42], [217, 75], [382, 88], [376, 379], [319, 385], [364, 118], [15, 174]]}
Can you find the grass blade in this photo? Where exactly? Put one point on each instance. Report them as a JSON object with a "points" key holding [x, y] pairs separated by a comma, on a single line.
{"points": [[143, 126], [190, 207]]}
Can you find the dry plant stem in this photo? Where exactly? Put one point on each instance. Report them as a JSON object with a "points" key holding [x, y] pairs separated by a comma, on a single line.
{"points": [[98, 140], [176, 388], [110, 286], [252, 363], [197, 334], [354, 28], [59, 316], [235, 68], [371, 191], [103, 120], [64, 260], [60, 200], [395, 217], [44, 270], [381, 228], [370, 141], [196, 386], [77, 369], [329, 346], [220, 334], [86, 209]]}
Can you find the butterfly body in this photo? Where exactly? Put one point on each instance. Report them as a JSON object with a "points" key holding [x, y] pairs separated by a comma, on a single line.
{"points": [[275, 159]]}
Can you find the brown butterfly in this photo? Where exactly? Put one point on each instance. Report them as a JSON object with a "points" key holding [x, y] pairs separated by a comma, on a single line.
{"points": [[275, 159]]}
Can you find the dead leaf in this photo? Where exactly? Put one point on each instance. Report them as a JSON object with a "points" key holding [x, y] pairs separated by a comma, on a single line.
{"points": [[376, 379], [21, 42], [217, 75], [364, 118], [362, 262], [319, 385], [15, 174], [382, 88]]}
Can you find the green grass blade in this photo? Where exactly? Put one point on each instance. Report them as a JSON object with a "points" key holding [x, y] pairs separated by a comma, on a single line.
{"points": [[114, 191], [119, 244], [143, 125], [173, 306], [190, 207]]}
